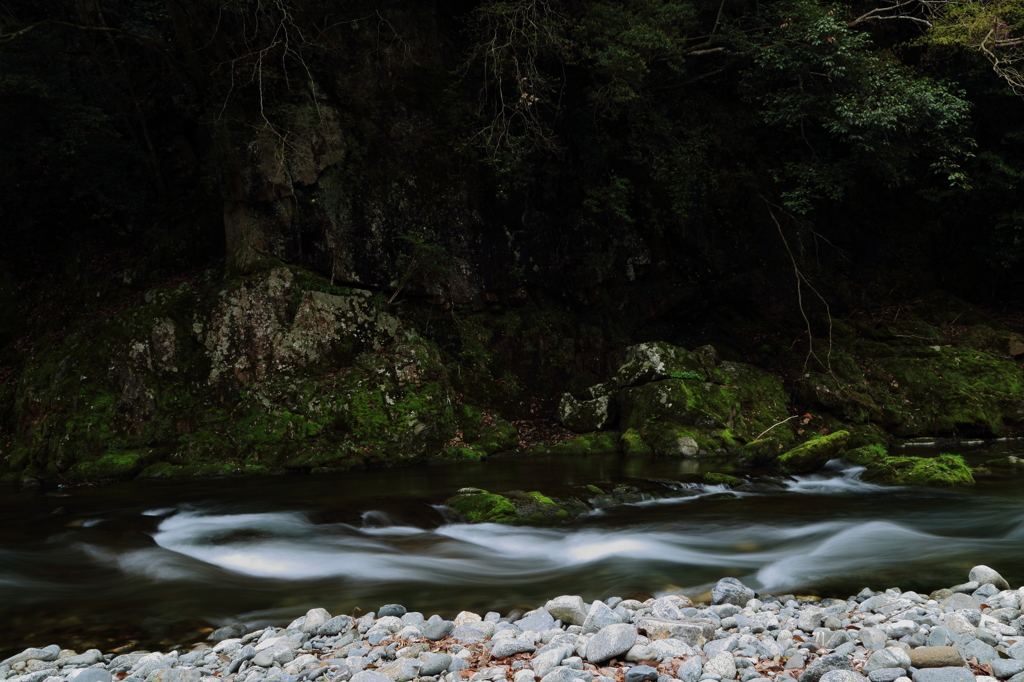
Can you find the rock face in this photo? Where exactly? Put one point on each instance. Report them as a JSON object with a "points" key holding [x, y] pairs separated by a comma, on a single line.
{"points": [[276, 370], [679, 403]]}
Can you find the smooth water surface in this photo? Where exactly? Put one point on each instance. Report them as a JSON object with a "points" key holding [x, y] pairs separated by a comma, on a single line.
{"points": [[154, 563]]}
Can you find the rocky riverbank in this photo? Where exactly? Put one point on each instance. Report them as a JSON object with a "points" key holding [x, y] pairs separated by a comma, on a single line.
{"points": [[972, 630]]}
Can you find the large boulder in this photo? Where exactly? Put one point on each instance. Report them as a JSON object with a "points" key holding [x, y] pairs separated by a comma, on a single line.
{"points": [[680, 403], [813, 454], [942, 471], [275, 370]]}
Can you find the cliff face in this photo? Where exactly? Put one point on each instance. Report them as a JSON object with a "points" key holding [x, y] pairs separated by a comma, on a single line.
{"points": [[392, 289]]}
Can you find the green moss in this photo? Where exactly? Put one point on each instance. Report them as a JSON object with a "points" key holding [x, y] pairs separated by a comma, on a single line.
{"points": [[500, 436], [484, 507], [466, 453], [919, 390], [813, 454], [632, 444], [723, 479], [760, 452], [866, 454], [944, 470], [594, 489], [110, 465]]}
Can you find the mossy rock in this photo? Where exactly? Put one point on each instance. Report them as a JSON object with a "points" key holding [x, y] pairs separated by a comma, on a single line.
{"points": [[944, 471], [866, 454], [112, 465], [760, 453], [1009, 462], [813, 454], [923, 390], [484, 507], [716, 478], [682, 413], [514, 507], [632, 444], [500, 436]]}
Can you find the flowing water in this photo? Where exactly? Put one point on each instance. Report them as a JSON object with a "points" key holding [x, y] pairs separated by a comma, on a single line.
{"points": [[153, 563]]}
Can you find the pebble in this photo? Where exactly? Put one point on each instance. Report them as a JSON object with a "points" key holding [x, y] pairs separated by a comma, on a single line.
{"points": [[887, 636]]}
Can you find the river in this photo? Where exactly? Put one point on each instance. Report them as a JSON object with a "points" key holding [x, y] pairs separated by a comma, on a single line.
{"points": [[151, 564]]}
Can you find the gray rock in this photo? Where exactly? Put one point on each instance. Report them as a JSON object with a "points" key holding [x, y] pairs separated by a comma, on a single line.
{"points": [[966, 588], [845, 649], [693, 632], [641, 673], [1004, 668], [435, 665], [610, 642], [49, 653], [565, 674], [901, 628], [402, 670], [977, 649], [842, 676], [690, 670], [539, 620], [890, 657], [435, 630], [369, 676], [941, 636], [504, 648], [936, 657], [314, 619], [93, 675], [227, 632], [874, 639], [568, 609], [823, 665], [960, 601], [336, 626], [599, 617], [731, 591], [717, 646], [984, 592], [90, 657], [37, 676], [550, 658], [671, 648], [641, 652], [396, 610], [468, 635], [175, 675], [810, 618], [886, 674], [1016, 651], [943, 675], [723, 665], [987, 576]]}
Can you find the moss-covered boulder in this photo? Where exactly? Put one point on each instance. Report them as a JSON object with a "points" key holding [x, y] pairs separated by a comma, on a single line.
{"points": [[1010, 462], [813, 454], [912, 382], [866, 454], [944, 471], [514, 507], [632, 444], [271, 371], [759, 453], [585, 415], [683, 413]]}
